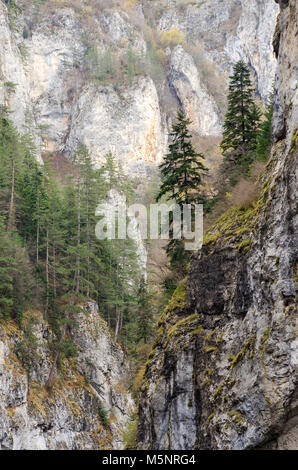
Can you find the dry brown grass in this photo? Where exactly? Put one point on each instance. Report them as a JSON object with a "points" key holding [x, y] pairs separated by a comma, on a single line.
{"points": [[60, 165], [243, 193], [157, 263]]}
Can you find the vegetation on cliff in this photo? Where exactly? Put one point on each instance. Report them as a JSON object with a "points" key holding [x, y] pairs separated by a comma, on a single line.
{"points": [[181, 182], [242, 117], [50, 256]]}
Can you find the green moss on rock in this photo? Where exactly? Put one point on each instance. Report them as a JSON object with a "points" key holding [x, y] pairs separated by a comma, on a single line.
{"points": [[240, 356], [230, 383], [245, 245], [185, 325], [236, 417], [210, 418], [198, 330], [264, 340], [294, 139], [219, 390], [209, 349], [177, 302], [209, 336]]}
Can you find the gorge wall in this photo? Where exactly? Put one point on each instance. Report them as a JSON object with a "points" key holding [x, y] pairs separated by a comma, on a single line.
{"points": [[111, 74], [88, 406], [223, 370], [221, 374]]}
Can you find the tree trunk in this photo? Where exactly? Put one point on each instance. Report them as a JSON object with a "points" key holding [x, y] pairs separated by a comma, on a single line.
{"points": [[47, 270], [49, 382], [117, 327], [78, 261], [54, 271], [11, 211]]}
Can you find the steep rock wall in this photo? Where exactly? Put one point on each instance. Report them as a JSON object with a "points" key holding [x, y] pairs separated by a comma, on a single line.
{"points": [[129, 125], [185, 82], [69, 416], [253, 42], [223, 371], [47, 53], [14, 86]]}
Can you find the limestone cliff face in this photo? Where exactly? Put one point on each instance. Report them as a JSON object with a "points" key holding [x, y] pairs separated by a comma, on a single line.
{"points": [[253, 42], [70, 416], [185, 82], [14, 89], [223, 371], [58, 57], [225, 31], [129, 125]]}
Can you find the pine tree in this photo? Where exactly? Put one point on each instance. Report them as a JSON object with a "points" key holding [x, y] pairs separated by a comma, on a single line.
{"points": [[242, 117], [182, 168], [15, 275], [34, 202], [181, 175], [6, 278], [11, 158]]}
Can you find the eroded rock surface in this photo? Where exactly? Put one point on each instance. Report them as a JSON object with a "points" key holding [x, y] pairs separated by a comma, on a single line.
{"points": [[56, 58], [223, 371], [69, 416]]}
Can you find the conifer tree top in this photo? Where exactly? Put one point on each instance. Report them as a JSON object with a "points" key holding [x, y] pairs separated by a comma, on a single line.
{"points": [[182, 167], [242, 117]]}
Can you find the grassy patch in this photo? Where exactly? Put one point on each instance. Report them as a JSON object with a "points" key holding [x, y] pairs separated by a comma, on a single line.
{"points": [[240, 356], [130, 434], [176, 303]]}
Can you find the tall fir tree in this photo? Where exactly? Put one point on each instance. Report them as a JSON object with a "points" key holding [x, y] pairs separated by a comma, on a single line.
{"points": [[181, 176], [182, 168], [242, 117], [16, 280], [12, 149]]}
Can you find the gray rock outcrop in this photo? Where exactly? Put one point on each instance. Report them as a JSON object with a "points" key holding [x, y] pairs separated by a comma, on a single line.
{"points": [[56, 59], [223, 371], [69, 416]]}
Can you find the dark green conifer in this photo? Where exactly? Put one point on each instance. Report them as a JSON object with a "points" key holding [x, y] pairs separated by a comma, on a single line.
{"points": [[182, 168], [242, 117], [181, 175]]}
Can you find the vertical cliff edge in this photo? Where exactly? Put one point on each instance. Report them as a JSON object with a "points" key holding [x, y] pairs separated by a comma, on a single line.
{"points": [[222, 373]]}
